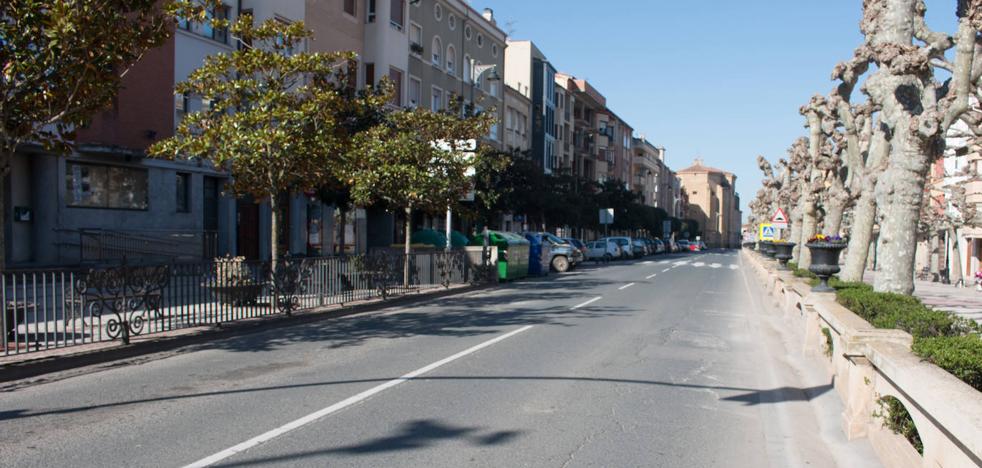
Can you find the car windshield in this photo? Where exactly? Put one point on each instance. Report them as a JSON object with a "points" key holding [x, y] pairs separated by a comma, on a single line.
{"points": [[553, 239]]}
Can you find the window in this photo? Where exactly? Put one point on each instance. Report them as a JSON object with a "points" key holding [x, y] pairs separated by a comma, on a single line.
{"points": [[350, 7], [494, 50], [204, 28], [97, 186], [370, 12], [468, 69], [415, 91], [480, 40], [452, 22], [397, 14], [451, 60], [183, 189], [416, 39], [437, 50], [396, 76], [436, 101], [468, 33], [369, 74], [438, 11]]}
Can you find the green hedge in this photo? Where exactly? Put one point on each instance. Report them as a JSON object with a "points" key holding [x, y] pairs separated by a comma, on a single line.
{"points": [[907, 313], [959, 355]]}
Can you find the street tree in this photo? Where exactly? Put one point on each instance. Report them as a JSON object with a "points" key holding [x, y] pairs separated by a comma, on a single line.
{"points": [[272, 121], [61, 61], [917, 109], [416, 160]]}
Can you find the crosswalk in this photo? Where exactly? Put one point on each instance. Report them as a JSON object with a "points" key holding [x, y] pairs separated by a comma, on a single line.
{"points": [[712, 265]]}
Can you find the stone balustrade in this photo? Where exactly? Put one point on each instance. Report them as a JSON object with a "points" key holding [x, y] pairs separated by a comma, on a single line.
{"points": [[867, 364]]}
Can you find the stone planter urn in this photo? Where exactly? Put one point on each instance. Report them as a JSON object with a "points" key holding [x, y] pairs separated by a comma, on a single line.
{"points": [[783, 253], [825, 262], [769, 250]]}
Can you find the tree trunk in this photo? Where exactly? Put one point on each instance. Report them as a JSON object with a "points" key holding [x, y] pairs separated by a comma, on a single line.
{"points": [[343, 227], [796, 233], [955, 265], [935, 259], [860, 237], [809, 223], [899, 194], [274, 236], [835, 208], [409, 223]]}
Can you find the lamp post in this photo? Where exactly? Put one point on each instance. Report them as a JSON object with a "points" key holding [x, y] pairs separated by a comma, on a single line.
{"points": [[475, 73]]}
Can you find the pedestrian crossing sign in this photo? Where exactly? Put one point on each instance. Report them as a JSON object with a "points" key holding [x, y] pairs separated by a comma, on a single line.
{"points": [[768, 232]]}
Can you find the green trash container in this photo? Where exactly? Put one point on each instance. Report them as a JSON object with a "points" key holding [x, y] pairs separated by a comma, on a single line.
{"points": [[513, 253]]}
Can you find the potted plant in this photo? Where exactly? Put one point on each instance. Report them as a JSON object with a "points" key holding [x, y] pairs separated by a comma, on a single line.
{"points": [[783, 250], [769, 250], [416, 48], [978, 280], [825, 252], [232, 282]]}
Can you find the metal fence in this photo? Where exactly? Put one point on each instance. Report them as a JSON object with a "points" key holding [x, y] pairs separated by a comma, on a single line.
{"points": [[45, 309]]}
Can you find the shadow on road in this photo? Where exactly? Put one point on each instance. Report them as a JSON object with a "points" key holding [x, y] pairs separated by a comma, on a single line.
{"points": [[411, 436], [751, 397]]}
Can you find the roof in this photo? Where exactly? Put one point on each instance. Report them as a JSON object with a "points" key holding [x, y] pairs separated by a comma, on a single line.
{"points": [[697, 166]]}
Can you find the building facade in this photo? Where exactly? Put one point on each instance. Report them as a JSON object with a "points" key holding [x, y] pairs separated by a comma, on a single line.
{"points": [[528, 71], [565, 101], [713, 203], [590, 131], [518, 122]]}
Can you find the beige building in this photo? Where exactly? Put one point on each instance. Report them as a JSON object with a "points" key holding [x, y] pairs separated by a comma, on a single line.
{"points": [[517, 128], [591, 138], [565, 101], [713, 203]]}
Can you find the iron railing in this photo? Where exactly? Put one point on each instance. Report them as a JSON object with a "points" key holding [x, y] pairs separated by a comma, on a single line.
{"points": [[45, 309]]}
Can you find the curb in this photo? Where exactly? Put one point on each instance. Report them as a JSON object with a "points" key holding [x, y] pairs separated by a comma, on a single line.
{"points": [[39, 367]]}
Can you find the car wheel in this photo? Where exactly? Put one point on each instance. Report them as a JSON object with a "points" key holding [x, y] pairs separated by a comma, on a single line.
{"points": [[560, 264]]}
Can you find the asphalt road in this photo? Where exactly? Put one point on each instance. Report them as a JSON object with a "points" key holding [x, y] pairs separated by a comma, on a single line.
{"points": [[672, 361]]}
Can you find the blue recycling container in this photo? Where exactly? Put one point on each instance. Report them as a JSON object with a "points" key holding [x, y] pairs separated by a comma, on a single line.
{"points": [[538, 254]]}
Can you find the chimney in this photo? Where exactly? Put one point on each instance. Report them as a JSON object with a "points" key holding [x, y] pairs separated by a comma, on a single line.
{"points": [[489, 15]]}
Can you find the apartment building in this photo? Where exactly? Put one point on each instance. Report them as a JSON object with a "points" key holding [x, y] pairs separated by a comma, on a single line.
{"points": [[591, 137], [529, 71], [619, 154], [518, 122], [565, 102], [713, 203]]}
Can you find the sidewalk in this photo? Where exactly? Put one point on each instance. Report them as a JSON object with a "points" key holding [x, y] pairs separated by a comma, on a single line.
{"points": [[966, 302]]}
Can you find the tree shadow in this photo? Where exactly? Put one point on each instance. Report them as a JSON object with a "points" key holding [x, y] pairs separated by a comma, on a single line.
{"points": [[750, 397], [412, 435]]}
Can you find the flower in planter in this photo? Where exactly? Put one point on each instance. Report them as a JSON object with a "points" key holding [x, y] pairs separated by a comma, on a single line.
{"points": [[824, 239]]}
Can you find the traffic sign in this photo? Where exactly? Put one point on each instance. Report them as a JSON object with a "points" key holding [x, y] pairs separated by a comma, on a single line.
{"points": [[767, 232], [606, 216], [780, 219]]}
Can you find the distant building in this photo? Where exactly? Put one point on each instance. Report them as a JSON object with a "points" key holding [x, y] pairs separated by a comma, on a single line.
{"points": [[713, 203]]}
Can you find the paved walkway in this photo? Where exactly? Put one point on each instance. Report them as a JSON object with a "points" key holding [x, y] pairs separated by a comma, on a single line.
{"points": [[966, 301]]}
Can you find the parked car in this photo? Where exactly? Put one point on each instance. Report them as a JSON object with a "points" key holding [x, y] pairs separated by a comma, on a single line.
{"points": [[624, 244], [683, 245], [695, 247], [576, 243], [659, 246], [563, 256], [602, 250]]}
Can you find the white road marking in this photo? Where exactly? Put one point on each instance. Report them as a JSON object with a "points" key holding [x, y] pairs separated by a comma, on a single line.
{"points": [[651, 276], [734, 266], [698, 264], [591, 301], [312, 417], [628, 285], [715, 265], [666, 270], [647, 262]]}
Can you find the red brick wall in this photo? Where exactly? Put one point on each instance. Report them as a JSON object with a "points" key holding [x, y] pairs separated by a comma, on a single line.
{"points": [[145, 104]]}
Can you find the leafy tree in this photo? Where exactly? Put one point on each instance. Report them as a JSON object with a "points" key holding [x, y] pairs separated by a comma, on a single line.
{"points": [[401, 163], [64, 60], [274, 115]]}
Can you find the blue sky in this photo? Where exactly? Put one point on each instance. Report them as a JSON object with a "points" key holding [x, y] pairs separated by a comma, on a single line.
{"points": [[716, 79]]}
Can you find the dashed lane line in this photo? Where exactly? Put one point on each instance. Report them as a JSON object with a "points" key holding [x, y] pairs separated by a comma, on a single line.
{"points": [[651, 276], [591, 301], [628, 285]]}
